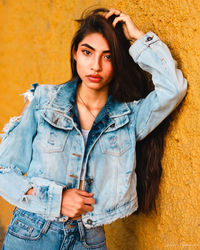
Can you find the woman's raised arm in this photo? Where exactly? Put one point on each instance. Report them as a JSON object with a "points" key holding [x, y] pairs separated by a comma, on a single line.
{"points": [[153, 56]]}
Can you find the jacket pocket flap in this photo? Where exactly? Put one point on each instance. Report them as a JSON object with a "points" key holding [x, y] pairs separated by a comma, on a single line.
{"points": [[57, 119], [117, 123]]}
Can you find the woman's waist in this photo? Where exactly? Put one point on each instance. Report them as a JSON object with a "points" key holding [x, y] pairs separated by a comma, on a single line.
{"points": [[89, 220]]}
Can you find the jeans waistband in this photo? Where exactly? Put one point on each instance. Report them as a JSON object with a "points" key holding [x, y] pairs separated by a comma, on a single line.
{"points": [[56, 225]]}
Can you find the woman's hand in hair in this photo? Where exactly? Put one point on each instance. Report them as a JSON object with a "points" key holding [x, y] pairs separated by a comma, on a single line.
{"points": [[131, 31], [76, 202]]}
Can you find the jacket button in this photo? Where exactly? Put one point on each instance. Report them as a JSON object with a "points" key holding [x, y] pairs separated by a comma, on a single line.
{"points": [[149, 38], [89, 221], [89, 180]]}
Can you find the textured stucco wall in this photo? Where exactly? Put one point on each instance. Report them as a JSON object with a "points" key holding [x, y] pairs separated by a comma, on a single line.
{"points": [[34, 47]]}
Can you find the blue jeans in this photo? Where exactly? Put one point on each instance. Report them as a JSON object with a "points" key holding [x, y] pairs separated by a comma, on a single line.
{"points": [[31, 232]]}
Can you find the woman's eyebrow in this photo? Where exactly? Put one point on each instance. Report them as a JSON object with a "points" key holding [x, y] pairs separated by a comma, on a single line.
{"points": [[90, 47]]}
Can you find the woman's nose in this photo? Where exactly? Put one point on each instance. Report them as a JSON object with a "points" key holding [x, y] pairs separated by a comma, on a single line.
{"points": [[96, 64]]}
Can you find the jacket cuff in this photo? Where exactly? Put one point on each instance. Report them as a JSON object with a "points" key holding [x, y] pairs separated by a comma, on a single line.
{"points": [[49, 195], [54, 200], [142, 43]]}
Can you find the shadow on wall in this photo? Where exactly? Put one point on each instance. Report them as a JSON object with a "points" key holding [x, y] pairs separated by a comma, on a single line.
{"points": [[2, 235]]}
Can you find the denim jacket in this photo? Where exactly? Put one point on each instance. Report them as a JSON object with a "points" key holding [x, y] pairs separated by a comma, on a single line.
{"points": [[45, 149]]}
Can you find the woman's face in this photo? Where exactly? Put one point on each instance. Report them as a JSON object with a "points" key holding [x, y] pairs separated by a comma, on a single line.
{"points": [[93, 62]]}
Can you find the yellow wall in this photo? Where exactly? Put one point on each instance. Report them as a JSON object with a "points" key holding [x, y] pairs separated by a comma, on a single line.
{"points": [[34, 47]]}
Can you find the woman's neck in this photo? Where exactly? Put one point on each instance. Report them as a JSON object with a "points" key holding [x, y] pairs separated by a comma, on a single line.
{"points": [[93, 99], [89, 103]]}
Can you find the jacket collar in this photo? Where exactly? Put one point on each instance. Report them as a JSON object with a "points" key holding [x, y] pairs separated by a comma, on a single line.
{"points": [[65, 99]]}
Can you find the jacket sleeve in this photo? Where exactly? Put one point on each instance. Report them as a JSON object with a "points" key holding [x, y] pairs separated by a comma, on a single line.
{"points": [[153, 56], [15, 158]]}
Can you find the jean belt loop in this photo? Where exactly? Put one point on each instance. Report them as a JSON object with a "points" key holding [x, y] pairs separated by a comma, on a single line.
{"points": [[14, 210], [46, 226], [81, 229]]}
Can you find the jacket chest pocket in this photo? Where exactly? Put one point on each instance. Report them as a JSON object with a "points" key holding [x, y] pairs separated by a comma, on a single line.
{"points": [[51, 139], [116, 140]]}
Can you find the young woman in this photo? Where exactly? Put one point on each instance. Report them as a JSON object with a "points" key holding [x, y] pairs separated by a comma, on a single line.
{"points": [[77, 141]]}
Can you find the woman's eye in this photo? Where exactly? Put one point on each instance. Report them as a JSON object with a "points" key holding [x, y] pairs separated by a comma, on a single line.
{"points": [[108, 57], [86, 52]]}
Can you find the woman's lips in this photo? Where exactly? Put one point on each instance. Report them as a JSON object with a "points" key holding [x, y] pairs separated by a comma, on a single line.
{"points": [[94, 78]]}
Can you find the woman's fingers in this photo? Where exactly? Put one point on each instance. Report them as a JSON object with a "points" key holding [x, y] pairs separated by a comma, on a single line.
{"points": [[87, 208], [76, 202], [74, 214], [131, 31], [90, 201], [112, 12], [84, 193], [122, 18]]}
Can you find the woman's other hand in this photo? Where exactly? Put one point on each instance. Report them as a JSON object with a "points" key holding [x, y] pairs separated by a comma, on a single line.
{"points": [[76, 202], [131, 31]]}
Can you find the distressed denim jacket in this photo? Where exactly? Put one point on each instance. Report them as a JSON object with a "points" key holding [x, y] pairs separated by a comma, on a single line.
{"points": [[45, 149]]}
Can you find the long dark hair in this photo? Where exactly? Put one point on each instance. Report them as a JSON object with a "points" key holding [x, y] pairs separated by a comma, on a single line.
{"points": [[130, 83]]}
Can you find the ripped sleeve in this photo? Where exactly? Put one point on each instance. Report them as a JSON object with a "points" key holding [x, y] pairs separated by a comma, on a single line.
{"points": [[14, 121]]}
